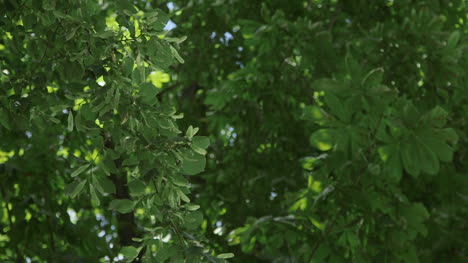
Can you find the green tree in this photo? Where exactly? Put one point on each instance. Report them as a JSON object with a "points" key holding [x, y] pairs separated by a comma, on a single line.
{"points": [[334, 131], [93, 165]]}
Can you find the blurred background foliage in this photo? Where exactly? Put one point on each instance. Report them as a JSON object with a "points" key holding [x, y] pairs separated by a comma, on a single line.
{"points": [[253, 82]]}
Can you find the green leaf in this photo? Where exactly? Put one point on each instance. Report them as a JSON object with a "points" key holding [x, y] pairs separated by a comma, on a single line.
{"points": [[415, 215], [94, 196], [193, 219], [323, 139], [192, 207], [74, 188], [78, 122], [394, 167], [329, 85], [337, 107], [429, 161], [137, 187], [453, 40], [410, 113], [163, 55], [54, 120], [127, 66], [193, 163], [48, 5], [198, 149], [190, 132], [157, 19], [373, 168], [141, 67], [322, 252], [179, 180], [103, 167], [382, 133], [225, 255], [122, 205], [437, 117], [108, 163], [408, 255], [373, 78], [162, 253], [72, 71], [176, 55], [200, 141], [447, 134], [106, 184], [105, 34], [116, 99], [417, 157], [148, 93], [313, 113], [410, 159], [70, 121], [353, 239], [131, 161], [4, 119], [124, 5], [130, 253], [171, 197], [443, 151], [71, 33], [96, 184], [182, 195], [109, 95], [80, 170]]}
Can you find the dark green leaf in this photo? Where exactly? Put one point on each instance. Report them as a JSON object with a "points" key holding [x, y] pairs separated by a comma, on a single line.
{"points": [[80, 170], [96, 184], [122, 205], [4, 119], [137, 187], [73, 189], [179, 180], [130, 253], [193, 163], [94, 196], [453, 40]]}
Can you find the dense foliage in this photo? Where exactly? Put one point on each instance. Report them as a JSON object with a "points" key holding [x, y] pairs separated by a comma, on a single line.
{"points": [[332, 131]]}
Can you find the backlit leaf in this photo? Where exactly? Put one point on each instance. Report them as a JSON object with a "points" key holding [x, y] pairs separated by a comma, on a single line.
{"points": [[323, 139]]}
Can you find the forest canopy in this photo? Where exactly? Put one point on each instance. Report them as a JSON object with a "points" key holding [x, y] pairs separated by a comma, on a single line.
{"points": [[233, 131]]}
